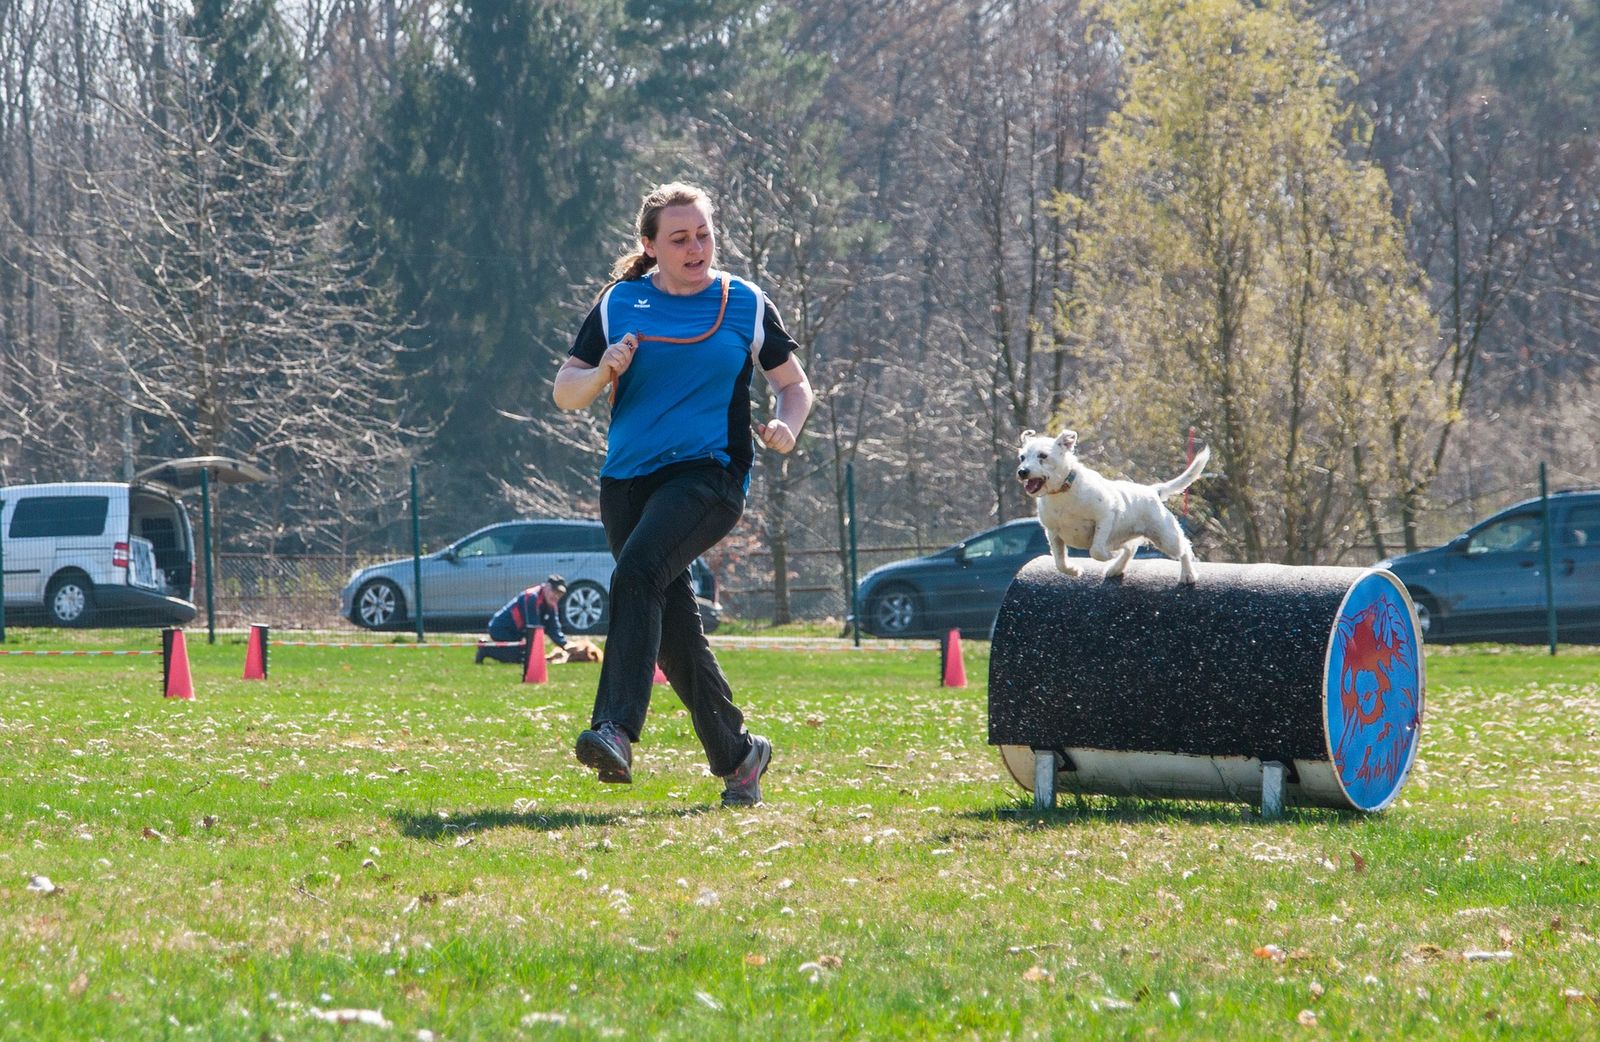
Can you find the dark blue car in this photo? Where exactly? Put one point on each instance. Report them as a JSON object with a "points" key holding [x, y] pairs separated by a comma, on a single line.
{"points": [[1489, 582], [959, 587]]}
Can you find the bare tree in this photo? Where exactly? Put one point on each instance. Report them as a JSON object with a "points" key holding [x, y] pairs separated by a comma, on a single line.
{"points": [[230, 312], [1482, 116]]}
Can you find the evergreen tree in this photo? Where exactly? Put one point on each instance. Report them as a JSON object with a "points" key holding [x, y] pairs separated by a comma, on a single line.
{"points": [[494, 184]]}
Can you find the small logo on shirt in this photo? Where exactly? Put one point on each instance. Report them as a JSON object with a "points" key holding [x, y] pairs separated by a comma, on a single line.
{"points": [[641, 303]]}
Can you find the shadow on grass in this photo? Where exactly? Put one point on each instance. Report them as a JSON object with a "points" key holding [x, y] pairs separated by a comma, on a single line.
{"points": [[432, 827], [1074, 809]]}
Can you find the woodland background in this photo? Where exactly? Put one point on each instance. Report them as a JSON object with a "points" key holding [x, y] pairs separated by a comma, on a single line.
{"points": [[1351, 245]]}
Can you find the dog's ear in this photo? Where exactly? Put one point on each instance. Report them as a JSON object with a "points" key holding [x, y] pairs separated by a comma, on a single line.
{"points": [[1067, 440], [1025, 436]]}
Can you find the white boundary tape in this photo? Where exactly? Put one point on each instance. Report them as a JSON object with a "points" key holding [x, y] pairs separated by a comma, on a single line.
{"points": [[80, 652]]}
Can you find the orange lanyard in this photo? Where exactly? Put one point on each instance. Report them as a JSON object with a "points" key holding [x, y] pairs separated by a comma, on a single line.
{"points": [[721, 311]]}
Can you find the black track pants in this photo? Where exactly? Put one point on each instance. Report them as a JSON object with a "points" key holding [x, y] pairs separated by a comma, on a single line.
{"points": [[657, 525]]}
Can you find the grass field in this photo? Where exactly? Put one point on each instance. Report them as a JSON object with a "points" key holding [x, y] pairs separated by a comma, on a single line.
{"points": [[395, 833]]}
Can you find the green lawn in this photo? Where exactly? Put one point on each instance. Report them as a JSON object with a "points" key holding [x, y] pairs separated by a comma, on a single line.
{"points": [[394, 830]]}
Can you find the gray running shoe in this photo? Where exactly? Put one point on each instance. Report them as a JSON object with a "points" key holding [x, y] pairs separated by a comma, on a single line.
{"points": [[744, 784], [606, 749]]}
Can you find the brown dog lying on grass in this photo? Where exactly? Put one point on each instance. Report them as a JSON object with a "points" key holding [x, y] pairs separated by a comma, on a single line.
{"points": [[577, 650]]}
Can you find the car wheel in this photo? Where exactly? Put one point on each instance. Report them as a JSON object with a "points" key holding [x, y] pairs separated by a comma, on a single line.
{"points": [[70, 600], [1427, 614], [379, 604], [584, 610], [896, 611]]}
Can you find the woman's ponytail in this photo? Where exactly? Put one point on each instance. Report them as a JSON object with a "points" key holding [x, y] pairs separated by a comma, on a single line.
{"points": [[631, 266]]}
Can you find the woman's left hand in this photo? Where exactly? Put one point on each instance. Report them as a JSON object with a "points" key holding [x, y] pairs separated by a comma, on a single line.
{"points": [[776, 435]]}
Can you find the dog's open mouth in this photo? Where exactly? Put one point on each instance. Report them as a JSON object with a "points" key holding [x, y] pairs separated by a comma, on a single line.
{"points": [[1033, 486]]}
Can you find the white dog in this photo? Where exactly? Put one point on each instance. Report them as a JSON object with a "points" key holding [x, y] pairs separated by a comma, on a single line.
{"points": [[1082, 509]]}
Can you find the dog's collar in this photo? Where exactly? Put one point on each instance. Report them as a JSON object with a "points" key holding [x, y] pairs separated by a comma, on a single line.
{"points": [[1072, 475]]}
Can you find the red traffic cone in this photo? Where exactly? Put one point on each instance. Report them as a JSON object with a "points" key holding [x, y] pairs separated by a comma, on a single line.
{"points": [[534, 668], [660, 677], [955, 674], [255, 653], [175, 680]]}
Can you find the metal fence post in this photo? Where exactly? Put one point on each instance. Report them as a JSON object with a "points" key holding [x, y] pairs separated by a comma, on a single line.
{"points": [[850, 498], [1549, 561], [205, 528], [2, 577], [416, 556]]}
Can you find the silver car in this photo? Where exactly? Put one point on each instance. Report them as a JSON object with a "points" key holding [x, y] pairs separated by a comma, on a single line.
{"points": [[472, 578]]}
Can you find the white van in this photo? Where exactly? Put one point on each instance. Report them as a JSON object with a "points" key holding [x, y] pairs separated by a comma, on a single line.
{"points": [[112, 552]]}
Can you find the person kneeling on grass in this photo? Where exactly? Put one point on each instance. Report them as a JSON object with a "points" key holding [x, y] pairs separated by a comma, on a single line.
{"points": [[535, 606]]}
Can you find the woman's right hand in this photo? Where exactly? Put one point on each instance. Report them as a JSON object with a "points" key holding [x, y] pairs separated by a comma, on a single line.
{"points": [[620, 355]]}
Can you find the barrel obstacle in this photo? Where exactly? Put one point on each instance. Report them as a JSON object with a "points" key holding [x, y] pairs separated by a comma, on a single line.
{"points": [[1260, 682]]}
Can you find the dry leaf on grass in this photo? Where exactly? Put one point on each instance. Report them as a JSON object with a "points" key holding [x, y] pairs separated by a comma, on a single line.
{"points": [[1035, 974], [1270, 951], [830, 962], [752, 959], [150, 833], [1306, 1018], [1574, 997]]}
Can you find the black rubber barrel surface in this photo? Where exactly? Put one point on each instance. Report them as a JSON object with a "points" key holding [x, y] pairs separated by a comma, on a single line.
{"points": [[1231, 666]]}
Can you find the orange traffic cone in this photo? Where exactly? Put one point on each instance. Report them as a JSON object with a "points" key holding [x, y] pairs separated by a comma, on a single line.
{"points": [[955, 674], [255, 653], [175, 680], [660, 677], [534, 668]]}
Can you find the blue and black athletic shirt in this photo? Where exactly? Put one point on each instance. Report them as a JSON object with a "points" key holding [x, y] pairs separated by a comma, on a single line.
{"points": [[683, 402]]}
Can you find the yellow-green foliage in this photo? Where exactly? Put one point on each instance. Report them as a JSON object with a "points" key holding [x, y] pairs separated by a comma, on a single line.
{"points": [[1243, 271]]}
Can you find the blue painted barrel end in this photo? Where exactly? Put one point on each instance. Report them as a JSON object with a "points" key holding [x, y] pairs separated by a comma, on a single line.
{"points": [[1373, 691]]}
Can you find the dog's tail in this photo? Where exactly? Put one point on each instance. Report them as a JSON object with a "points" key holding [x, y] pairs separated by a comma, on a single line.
{"points": [[1187, 478]]}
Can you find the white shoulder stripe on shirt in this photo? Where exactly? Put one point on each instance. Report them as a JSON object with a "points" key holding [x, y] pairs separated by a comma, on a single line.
{"points": [[758, 335], [605, 312]]}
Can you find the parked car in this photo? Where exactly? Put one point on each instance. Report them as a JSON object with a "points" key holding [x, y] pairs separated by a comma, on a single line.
{"points": [[469, 580], [959, 587], [1488, 583], [106, 551]]}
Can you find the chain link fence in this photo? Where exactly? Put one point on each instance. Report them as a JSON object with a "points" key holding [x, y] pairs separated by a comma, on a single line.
{"points": [[131, 554], [299, 592]]}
